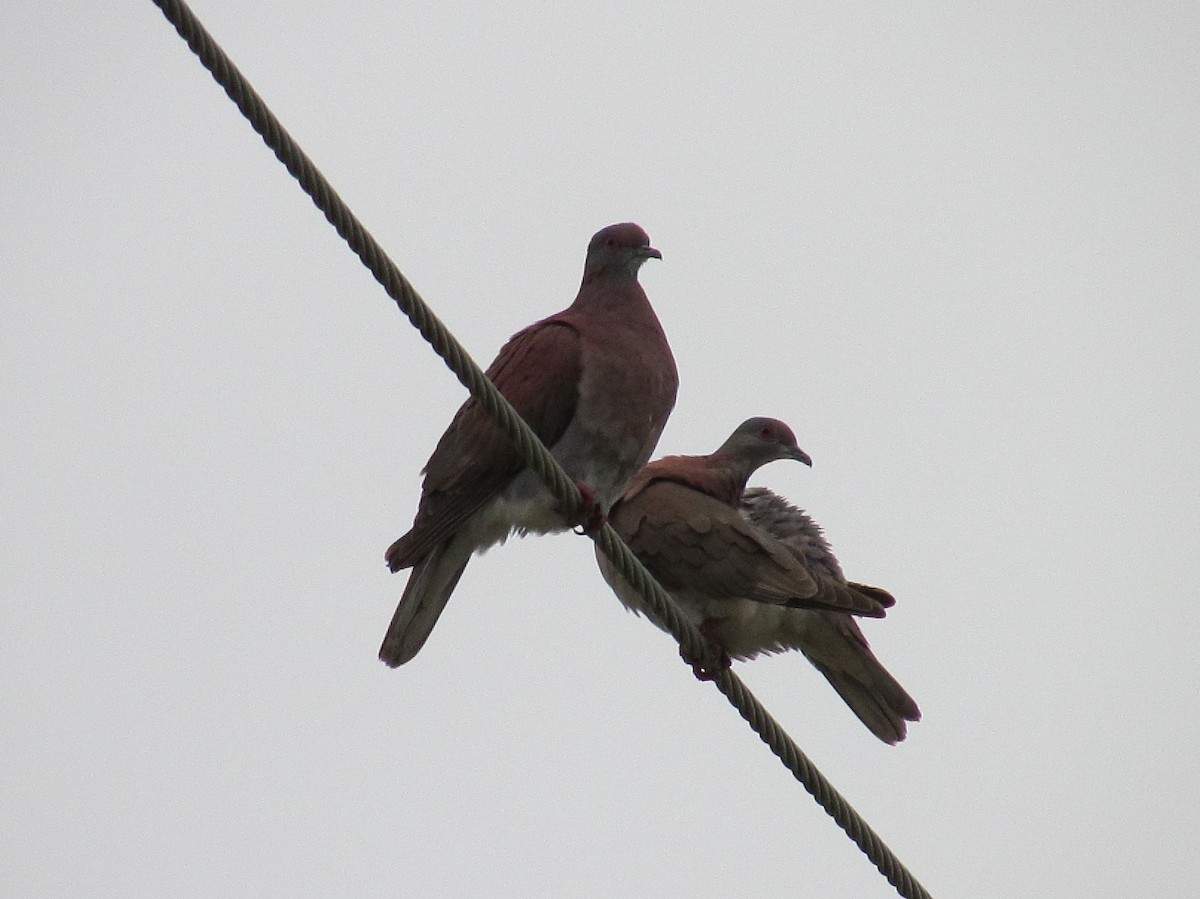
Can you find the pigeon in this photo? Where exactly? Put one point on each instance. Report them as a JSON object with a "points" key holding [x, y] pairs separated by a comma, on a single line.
{"points": [[753, 573], [680, 517], [596, 382]]}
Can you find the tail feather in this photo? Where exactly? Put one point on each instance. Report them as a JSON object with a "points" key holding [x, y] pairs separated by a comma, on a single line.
{"points": [[883, 706], [838, 649], [425, 595]]}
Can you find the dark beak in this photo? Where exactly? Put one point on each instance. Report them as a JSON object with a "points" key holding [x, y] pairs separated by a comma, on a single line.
{"points": [[799, 455], [650, 253]]}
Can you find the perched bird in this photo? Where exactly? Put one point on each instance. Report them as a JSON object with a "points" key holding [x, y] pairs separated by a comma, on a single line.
{"points": [[755, 575], [833, 642], [680, 517], [595, 382]]}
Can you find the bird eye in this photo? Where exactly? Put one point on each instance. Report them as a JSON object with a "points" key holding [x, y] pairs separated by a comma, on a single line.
{"points": [[610, 242]]}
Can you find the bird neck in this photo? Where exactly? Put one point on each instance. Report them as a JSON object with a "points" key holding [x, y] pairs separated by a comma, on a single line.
{"points": [[616, 275], [717, 476], [614, 299]]}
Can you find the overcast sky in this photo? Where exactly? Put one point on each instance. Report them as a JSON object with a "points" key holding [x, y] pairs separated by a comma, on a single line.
{"points": [[955, 248]]}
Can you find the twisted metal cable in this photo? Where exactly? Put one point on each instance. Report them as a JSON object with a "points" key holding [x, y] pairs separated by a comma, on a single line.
{"points": [[693, 643]]}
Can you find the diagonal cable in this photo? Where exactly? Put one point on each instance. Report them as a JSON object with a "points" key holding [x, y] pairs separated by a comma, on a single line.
{"points": [[444, 343]]}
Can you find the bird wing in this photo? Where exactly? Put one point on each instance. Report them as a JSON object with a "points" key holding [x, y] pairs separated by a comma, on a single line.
{"points": [[699, 546], [538, 371], [693, 542], [803, 537]]}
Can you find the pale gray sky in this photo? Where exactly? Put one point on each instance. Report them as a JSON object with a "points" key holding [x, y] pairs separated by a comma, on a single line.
{"points": [[956, 249]]}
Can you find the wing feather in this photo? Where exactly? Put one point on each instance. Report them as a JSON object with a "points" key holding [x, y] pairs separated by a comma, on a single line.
{"points": [[538, 371]]}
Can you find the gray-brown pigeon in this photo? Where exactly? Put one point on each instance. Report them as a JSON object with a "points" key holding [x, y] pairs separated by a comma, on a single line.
{"points": [[596, 382], [755, 584], [680, 517], [833, 642]]}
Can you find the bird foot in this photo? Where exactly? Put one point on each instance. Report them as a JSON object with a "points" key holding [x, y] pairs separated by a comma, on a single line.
{"points": [[589, 517], [711, 668]]}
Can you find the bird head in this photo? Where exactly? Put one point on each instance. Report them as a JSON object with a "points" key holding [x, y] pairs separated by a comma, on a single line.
{"points": [[618, 251], [758, 441]]}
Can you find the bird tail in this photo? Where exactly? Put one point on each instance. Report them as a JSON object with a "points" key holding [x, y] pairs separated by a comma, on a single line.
{"points": [[429, 586], [846, 660]]}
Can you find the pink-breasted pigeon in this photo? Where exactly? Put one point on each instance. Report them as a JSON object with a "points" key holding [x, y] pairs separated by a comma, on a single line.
{"points": [[596, 382]]}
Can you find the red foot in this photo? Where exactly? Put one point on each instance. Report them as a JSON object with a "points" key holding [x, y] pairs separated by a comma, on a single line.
{"points": [[710, 669], [589, 518]]}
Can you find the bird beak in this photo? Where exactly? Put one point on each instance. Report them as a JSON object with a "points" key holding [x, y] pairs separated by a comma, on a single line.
{"points": [[800, 456], [651, 253]]}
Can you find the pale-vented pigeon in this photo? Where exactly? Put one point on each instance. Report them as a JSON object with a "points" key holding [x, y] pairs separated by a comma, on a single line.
{"points": [[833, 642], [595, 382], [680, 517]]}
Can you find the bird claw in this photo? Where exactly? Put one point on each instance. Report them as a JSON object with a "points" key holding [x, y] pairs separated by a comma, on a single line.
{"points": [[589, 517], [708, 669]]}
